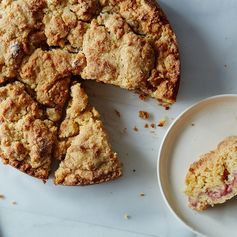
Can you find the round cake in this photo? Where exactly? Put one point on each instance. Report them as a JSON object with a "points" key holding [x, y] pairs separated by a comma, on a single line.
{"points": [[47, 49]]}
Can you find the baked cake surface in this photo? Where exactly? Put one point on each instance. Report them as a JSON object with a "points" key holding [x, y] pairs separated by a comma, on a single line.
{"points": [[21, 31], [83, 145], [47, 48], [126, 43], [48, 74], [213, 178], [26, 137]]}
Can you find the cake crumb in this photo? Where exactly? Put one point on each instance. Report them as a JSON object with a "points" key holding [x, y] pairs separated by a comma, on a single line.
{"points": [[144, 115], [142, 97], [193, 124], [117, 113], [14, 202], [135, 129], [162, 122], [126, 216], [153, 125], [2, 196], [134, 170], [167, 107], [146, 125], [142, 194]]}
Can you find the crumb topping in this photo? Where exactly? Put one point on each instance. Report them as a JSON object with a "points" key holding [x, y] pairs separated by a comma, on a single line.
{"points": [[144, 115]]}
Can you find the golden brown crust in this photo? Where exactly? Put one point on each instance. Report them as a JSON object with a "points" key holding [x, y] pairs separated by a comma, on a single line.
{"points": [[138, 28], [126, 43], [40, 173], [26, 138], [21, 31], [67, 20], [146, 18], [47, 73], [83, 145]]}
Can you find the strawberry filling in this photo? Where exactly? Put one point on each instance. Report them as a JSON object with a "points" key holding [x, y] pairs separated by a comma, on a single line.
{"points": [[225, 190]]}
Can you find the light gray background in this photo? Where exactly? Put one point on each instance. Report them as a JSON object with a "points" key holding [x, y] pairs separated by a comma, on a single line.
{"points": [[207, 36]]}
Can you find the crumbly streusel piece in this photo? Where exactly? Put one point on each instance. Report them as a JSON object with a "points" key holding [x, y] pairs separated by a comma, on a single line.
{"points": [[20, 32], [47, 73], [66, 22], [83, 145], [26, 138], [213, 179], [146, 18], [116, 55]]}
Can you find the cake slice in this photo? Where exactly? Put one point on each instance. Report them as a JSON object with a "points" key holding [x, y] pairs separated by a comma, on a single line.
{"points": [[83, 147], [26, 138], [213, 179]]}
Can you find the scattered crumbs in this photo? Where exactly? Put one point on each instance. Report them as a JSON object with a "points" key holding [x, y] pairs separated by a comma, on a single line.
{"points": [[193, 124], [142, 194], [134, 170], [162, 122], [146, 125], [135, 129], [167, 107], [142, 97], [14, 202], [153, 125], [225, 66], [117, 113], [2, 196], [126, 216], [144, 115]]}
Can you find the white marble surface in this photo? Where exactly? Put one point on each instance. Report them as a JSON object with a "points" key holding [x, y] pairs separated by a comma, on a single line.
{"points": [[207, 35]]}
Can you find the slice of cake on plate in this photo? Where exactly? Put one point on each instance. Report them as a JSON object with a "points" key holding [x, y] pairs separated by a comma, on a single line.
{"points": [[213, 178]]}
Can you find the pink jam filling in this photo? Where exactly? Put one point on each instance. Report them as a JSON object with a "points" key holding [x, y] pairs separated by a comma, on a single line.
{"points": [[226, 189], [192, 202]]}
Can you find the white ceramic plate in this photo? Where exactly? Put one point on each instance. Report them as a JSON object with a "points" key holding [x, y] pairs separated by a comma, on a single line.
{"points": [[196, 131]]}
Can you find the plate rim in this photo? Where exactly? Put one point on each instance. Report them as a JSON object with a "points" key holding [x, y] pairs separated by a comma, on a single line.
{"points": [[177, 217]]}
